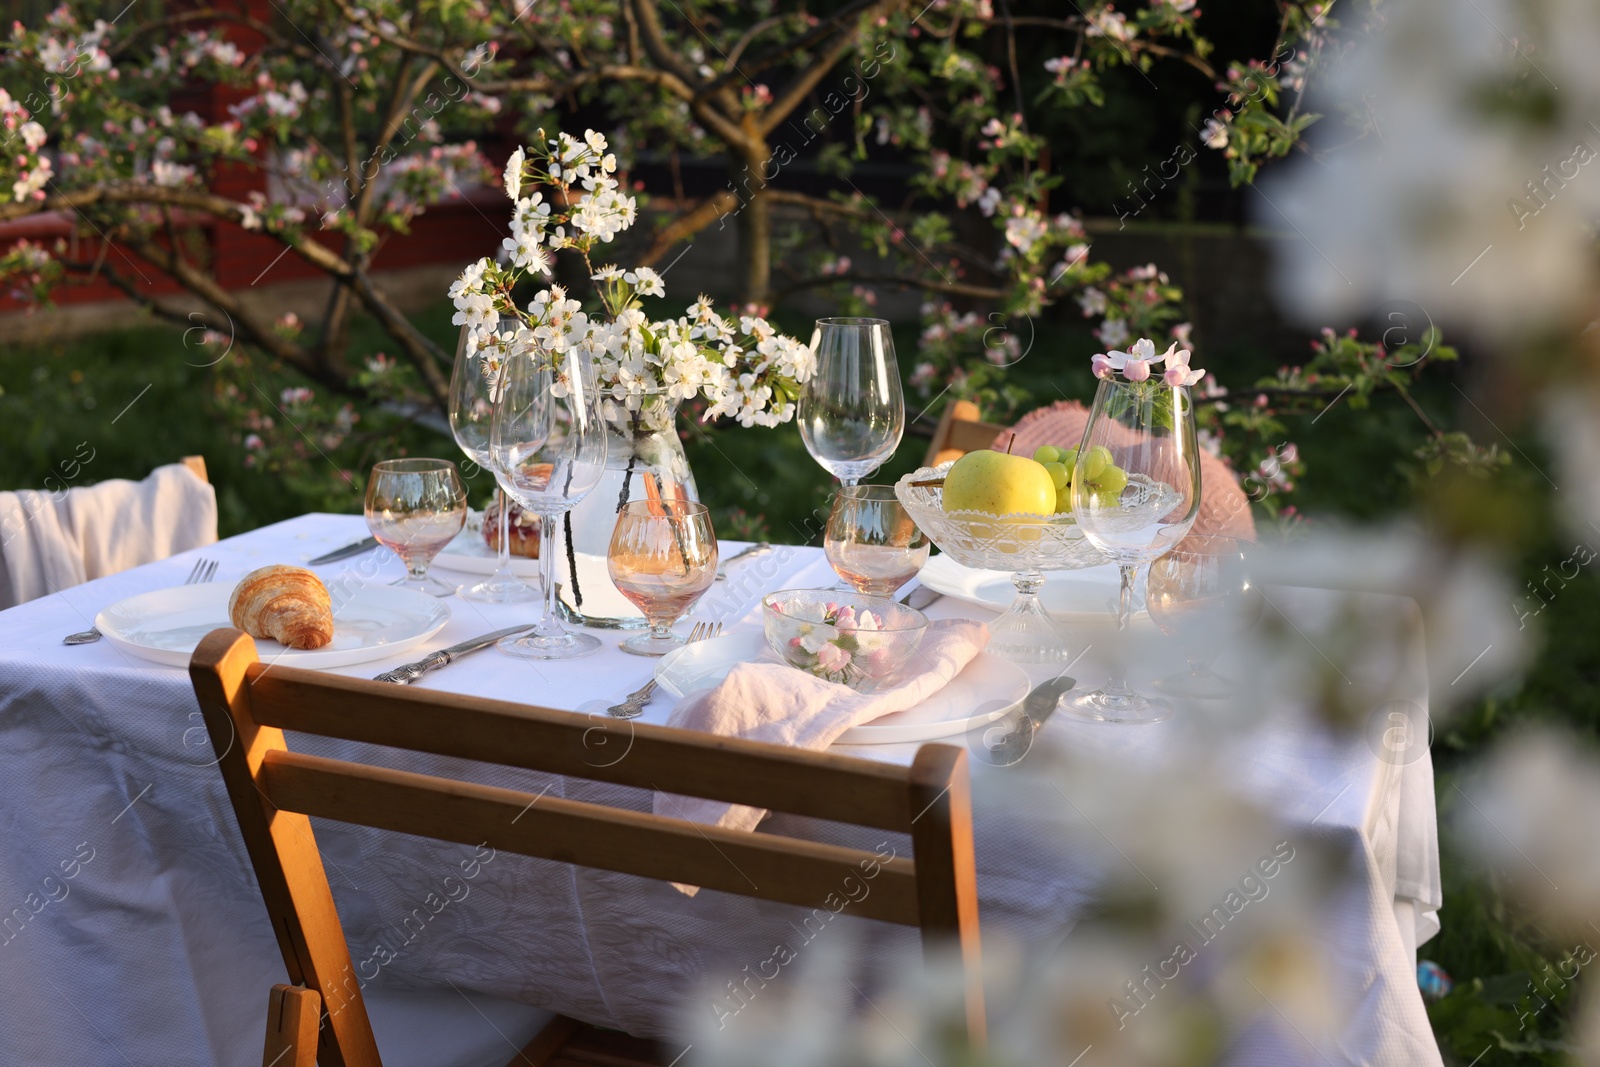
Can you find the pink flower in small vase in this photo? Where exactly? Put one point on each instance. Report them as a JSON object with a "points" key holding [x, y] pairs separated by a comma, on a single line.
{"points": [[846, 619], [1136, 370], [876, 663], [1101, 365], [832, 658]]}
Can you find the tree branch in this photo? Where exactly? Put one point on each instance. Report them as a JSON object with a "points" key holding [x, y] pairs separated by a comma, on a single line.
{"points": [[259, 331], [801, 85], [949, 288], [688, 224], [821, 31], [423, 353], [655, 43], [318, 255]]}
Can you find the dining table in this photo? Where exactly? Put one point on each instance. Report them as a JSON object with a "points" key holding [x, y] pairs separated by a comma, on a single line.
{"points": [[133, 932]]}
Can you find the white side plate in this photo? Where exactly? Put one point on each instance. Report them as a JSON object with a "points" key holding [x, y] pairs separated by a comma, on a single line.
{"points": [[369, 622], [468, 554], [987, 689], [1088, 595]]}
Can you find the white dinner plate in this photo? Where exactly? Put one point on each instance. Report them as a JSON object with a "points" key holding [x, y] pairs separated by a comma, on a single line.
{"points": [[369, 622], [468, 554], [985, 690], [1088, 595]]}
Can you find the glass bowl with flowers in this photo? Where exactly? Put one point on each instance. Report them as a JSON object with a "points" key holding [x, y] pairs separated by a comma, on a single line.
{"points": [[839, 636]]}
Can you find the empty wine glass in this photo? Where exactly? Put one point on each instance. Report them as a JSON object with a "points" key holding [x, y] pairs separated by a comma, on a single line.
{"points": [[852, 411], [663, 556], [548, 447], [472, 396], [1135, 494], [872, 541], [415, 507], [1200, 594]]}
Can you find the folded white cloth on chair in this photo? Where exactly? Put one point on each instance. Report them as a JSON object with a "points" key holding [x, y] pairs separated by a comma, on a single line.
{"points": [[52, 541]]}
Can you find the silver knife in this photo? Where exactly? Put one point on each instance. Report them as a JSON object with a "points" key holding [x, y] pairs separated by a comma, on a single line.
{"points": [[754, 550], [920, 597], [410, 672], [1040, 703], [354, 549]]}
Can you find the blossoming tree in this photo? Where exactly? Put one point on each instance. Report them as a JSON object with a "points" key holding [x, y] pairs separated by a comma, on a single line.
{"points": [[358, 118]]}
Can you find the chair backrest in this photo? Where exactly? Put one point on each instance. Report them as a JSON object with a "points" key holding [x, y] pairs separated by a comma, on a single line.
{"points": [[274, 791], [961, 430], [58, 537]]}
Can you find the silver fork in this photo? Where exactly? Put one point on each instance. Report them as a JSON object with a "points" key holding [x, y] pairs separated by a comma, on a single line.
{"points": [[204, 570], [632, 705]]}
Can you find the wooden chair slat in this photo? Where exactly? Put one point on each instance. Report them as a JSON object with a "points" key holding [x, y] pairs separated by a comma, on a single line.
{"points": [[282, 850], [599, 748], [963, 434], [590, 835], [292, 1016], [971, 436]]}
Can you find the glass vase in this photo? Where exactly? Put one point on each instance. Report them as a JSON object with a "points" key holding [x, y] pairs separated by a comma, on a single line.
{"points": [[645, 460]]}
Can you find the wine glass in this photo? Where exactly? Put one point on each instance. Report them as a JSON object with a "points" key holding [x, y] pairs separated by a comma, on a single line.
{"points": [[663, 556], [1201, 595], [472, 396], [852, 411], [872, 541], [1135, 494], [415, 507], [548, 452]]}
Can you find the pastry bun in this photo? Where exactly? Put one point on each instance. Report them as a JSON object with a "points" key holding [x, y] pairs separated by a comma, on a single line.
{"points": [[290, 605]]}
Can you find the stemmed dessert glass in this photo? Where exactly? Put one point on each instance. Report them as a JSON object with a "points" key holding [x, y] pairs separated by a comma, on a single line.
{"points": [[1148, 429], [548, 447], [1200, 594], [415, 507], [852, 411], [663, 557], [872, 541], [472, 397]]}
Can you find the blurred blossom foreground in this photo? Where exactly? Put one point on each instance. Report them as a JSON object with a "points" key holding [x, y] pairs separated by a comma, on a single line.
{"points": [[1206, 905]]}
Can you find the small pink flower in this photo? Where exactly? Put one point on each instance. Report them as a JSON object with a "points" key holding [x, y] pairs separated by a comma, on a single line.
{"points": [[832, 658], [1136, 370], [846, 619], [875, 663], [1101, 365]]}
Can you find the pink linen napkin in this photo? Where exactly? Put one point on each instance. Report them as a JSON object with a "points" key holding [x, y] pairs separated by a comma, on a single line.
{"points": [[781, 705]]}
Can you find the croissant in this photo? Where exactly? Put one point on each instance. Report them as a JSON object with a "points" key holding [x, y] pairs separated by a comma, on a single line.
{"points": [[288, 604]]}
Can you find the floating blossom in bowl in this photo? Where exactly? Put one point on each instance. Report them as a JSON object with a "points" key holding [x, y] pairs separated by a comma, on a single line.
{"points": [[1140, 361], [857, 643]]}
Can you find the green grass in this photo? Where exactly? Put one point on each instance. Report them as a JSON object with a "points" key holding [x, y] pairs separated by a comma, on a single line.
{"points": [[140, 397]]}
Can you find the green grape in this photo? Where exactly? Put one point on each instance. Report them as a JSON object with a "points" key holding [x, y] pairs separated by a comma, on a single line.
{"points": [[1112, 481], [1095, 463], [1047, 454], [1058, 476], [1069, 457], [1063, 503]]}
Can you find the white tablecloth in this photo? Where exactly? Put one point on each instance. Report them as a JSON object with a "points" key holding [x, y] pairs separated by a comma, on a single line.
{"points": [[158, 950]]}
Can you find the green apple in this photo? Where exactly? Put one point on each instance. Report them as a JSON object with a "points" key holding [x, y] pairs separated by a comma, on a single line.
{"points": [[998, 484]]}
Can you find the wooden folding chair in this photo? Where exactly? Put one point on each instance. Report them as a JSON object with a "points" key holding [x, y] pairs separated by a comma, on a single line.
{"points": [[273, 790], [961, 430]]}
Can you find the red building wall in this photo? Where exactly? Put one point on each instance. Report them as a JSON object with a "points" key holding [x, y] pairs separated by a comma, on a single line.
{"points": [[453, 232]]}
